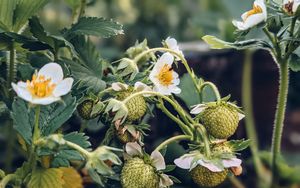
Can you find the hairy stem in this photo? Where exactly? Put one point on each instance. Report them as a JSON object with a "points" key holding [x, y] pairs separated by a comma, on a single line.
{"points": [[248, 108], [171, 140], [204, 137], [279, 116], [11, 67], [78, 148], [183, 127], [36, 130], [213, 87], [6, 180], [177, 107]]}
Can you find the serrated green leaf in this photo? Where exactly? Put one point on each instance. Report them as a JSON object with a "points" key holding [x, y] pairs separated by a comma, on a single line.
{"points": [[24, 10], [7, 8], [46, 178], [216, 43], [23, 119], [99, 27], [88, 72], [54, 41], [294, 63], [78, 138], [55, 115], [29, 43], [38, 31]]}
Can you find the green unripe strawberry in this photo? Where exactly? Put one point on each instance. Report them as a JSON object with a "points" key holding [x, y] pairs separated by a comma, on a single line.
{"points": [[85, 109], [220, 120], [221, 148], [124, 136], [136, 106], [206, 178], [137, 174]]}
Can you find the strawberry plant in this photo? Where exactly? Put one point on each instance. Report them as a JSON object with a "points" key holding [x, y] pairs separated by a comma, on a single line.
{"points": [[55, 74]]}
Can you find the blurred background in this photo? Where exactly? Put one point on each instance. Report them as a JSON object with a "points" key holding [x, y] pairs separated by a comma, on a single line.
{"points": [[188, 21]]}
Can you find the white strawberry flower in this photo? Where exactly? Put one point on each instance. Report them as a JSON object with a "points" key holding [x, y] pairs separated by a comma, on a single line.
{"points": [[47, 85], [252, 17], [164, 78], [190, 161], [133, 149], [197, 109], [291, 6], [172, 44]]}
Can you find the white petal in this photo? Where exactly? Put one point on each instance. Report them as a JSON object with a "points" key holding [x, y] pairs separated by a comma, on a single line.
{"points": [[165, 181], [45, 100], [184, 162], [161, 89], [240, 25], [171, 43], [234, 162], [241, 116], [254, 20], [133, 149], [139, 86], [176, 90], [63, 87], [22, 92], [166, 58], [209, 166], [158, 160], [22, 84], [53, 71], [198, 108], [295, 5], [118, 86]]}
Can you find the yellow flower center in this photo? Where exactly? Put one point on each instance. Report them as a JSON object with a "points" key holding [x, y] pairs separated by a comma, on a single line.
{"points": [[256, 10], [39, 86], [165, 75]]}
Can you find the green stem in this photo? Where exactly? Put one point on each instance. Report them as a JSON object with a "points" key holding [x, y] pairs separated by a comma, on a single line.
{"points": [[177, 107], [171, 140], [103, 92], [82, 9], [249, 120], [279, 117], [213, 87], [204, 137], [78, 148], [183, 127], [11, 73], [36, 130], [7, 179]]}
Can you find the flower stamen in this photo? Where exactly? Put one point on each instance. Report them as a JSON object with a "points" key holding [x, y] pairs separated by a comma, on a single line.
{"points": [[39, 86], [256, 10], [165, 75]]}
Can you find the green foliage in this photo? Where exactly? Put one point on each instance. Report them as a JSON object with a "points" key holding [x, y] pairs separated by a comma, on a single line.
{"points": [[294, 63], [7, 8], [7, 38], [216, 43], [88, 70], [239, 145], [46, 178], [15, 13], [23, 119], [78, 138], [24, 10], [55, 115], [189, 95], [99, 27]]}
